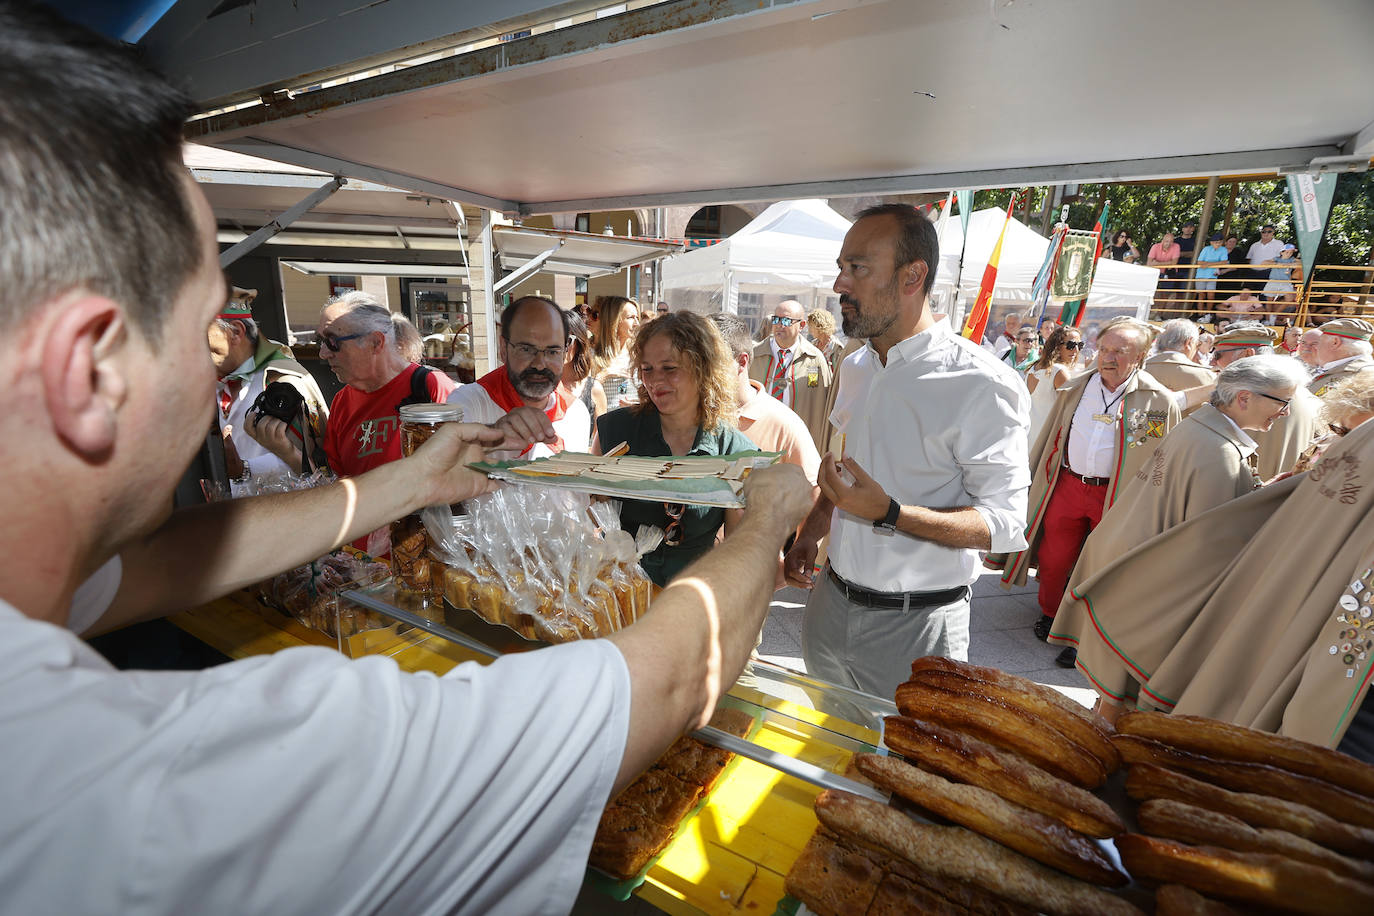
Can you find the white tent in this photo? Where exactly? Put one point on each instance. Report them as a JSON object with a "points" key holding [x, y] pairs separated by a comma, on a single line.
{"points": [[786, 252], [1118, 288]]}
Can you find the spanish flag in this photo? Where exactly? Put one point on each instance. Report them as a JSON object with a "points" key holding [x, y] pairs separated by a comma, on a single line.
{"points": [[977, 321]]}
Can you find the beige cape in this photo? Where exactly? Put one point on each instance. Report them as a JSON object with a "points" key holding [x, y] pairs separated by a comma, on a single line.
{"points": [[1177, 372], [810, 401], [1198, 466], [1282, 444], [1148, 412], [1236, 614], [1323, 381]]}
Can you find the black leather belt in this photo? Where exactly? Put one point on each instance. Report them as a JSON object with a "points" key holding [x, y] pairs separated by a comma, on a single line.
{"points": [[901, 600], [1090, 481]]}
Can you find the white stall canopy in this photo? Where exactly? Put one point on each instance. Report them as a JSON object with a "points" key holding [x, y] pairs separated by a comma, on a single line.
{"points": [[1117, 286], [787, 251]]}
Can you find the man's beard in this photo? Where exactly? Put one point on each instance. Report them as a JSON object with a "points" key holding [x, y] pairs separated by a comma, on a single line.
{"points": [[533, 384], [865, 326]]}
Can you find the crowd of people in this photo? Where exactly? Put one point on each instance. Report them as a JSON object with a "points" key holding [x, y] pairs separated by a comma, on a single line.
{"points": [[302, 781]]}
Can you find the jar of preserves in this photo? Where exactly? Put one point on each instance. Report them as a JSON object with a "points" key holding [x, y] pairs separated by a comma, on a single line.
{"points": [[412, 567]]}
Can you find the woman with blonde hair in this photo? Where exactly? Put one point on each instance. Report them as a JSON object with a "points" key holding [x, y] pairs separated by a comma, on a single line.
{"points": [[687, 387], [822, 325], [617, 318], [1344, 407]]}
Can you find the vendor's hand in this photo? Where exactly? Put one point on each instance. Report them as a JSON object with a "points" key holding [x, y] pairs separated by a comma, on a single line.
{"points": [[525, 426], [780, 490], [800, 562], [441, 464], [275, 436], [864, 498], [233, 464]]}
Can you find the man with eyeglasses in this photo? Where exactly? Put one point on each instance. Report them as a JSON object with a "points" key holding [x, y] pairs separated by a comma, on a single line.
{"points": [[791, 369], [357, 336], [532, 346], [1280, 446]]}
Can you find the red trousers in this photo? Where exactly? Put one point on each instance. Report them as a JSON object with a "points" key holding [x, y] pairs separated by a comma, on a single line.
{"points": [[1075, 509]]}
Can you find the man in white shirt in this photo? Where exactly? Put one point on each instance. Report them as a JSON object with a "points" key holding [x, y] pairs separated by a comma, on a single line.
{"points": [[300, 782], [1262, 252], [1343, 349], [533, 345], [933, 468]]}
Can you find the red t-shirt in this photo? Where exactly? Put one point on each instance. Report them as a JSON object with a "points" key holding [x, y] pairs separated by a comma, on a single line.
{"points": [[364, 429]]}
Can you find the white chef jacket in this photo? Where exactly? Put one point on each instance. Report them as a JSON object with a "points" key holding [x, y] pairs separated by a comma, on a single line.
{"points": [[574, 427], [943, 424], [301, 782]]}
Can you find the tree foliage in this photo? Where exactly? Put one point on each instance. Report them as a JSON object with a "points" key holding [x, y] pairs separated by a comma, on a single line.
{"points": [[1148, 210]]}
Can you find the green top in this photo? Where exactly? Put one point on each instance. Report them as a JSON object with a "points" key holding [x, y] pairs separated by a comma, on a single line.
{"points": [[644, 434]]}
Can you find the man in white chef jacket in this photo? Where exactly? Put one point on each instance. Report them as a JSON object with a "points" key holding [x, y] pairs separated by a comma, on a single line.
{"points": [[300, 782]]}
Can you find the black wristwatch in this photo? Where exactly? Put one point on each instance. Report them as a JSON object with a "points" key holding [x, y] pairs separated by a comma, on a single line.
{"points": [[889, 522]]}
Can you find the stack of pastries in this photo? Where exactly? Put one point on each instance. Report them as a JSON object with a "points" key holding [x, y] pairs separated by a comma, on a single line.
{"points": [[639, 823], [1002, 771]]}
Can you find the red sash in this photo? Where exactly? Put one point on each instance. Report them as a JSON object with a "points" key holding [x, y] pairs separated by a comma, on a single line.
{"points": [[496, 384]]}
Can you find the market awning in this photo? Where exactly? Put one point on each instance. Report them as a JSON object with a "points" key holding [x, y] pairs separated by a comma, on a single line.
{"points": [[362, 269], [578, 254], [684, 102]]}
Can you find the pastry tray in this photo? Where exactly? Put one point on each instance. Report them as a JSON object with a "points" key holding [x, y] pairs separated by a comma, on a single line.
{"points": [[702, 480]]}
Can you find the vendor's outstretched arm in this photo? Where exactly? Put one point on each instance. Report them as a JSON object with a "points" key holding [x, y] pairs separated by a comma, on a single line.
{"points": [[693, 643], [204, 552]]}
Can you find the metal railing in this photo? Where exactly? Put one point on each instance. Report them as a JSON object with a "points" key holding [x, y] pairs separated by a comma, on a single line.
{"points": [[1339, 291]]}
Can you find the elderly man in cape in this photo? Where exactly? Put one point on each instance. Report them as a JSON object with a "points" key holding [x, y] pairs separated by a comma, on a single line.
{"points": [[1237, 625], [791, 369], [246, 363], [1279, 447], [1343, 349], [1174, 364], [534, 341], [1101, 431], [1205, 461]]}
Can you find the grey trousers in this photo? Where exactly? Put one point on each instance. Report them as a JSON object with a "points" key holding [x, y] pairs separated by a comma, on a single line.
{"points": [[871, 649]]}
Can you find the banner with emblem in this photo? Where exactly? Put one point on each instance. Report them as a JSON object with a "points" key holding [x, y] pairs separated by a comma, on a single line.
{"points": [[1311, 195]]}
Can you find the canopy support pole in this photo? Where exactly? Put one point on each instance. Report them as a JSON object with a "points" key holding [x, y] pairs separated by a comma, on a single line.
{"points": [[311, 201], [524, 270]]}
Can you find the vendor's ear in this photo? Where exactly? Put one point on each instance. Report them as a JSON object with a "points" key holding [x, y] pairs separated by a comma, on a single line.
{"points": [[913, 277], [83, 381]]}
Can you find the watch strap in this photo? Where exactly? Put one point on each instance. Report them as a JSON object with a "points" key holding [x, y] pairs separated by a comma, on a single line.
{"points": [[889, 521]]}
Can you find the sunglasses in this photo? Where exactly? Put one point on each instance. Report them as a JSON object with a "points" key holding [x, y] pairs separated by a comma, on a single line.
{"points": [[785, 322], [332, 343], [1073, 344], [672, 535]]}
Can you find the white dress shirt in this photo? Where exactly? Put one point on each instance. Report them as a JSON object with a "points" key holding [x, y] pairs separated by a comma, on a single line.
{"points": [[1092, 443], [1248, 446], [301, 782], [942, 425], [1336, 364]]}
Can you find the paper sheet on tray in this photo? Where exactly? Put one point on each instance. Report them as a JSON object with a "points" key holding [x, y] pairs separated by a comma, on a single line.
{"points": [[704, 480]]}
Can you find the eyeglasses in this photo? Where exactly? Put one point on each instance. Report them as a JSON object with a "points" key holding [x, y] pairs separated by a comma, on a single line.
{"points": [[1282, 401], [1337, 428], [672, 535], [530, 353], [332, 343], [785, 322], [1073, 344]]}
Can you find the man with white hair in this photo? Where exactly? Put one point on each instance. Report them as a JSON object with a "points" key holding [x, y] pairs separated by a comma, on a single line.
{"points": [[1307, 349], [1204, 462], [1279, 447], [357, 336], [1343, 349], [1174, 364], [1101, 431], [791, 369], [247, 364]]}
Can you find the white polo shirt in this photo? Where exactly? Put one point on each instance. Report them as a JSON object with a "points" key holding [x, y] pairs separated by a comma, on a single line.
{"points": [[301, 782], [944, 424]]}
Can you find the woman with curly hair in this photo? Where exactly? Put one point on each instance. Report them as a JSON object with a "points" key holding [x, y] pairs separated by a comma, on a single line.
{"points": [[617, 318], [687, 385]]}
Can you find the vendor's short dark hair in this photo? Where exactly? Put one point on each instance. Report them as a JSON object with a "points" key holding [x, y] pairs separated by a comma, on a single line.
{"points": [[509, 312], [916, 241], [90, 172]]}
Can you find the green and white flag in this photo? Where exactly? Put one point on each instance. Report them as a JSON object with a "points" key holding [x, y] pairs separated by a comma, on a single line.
{"points": [[1311, 196]]}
